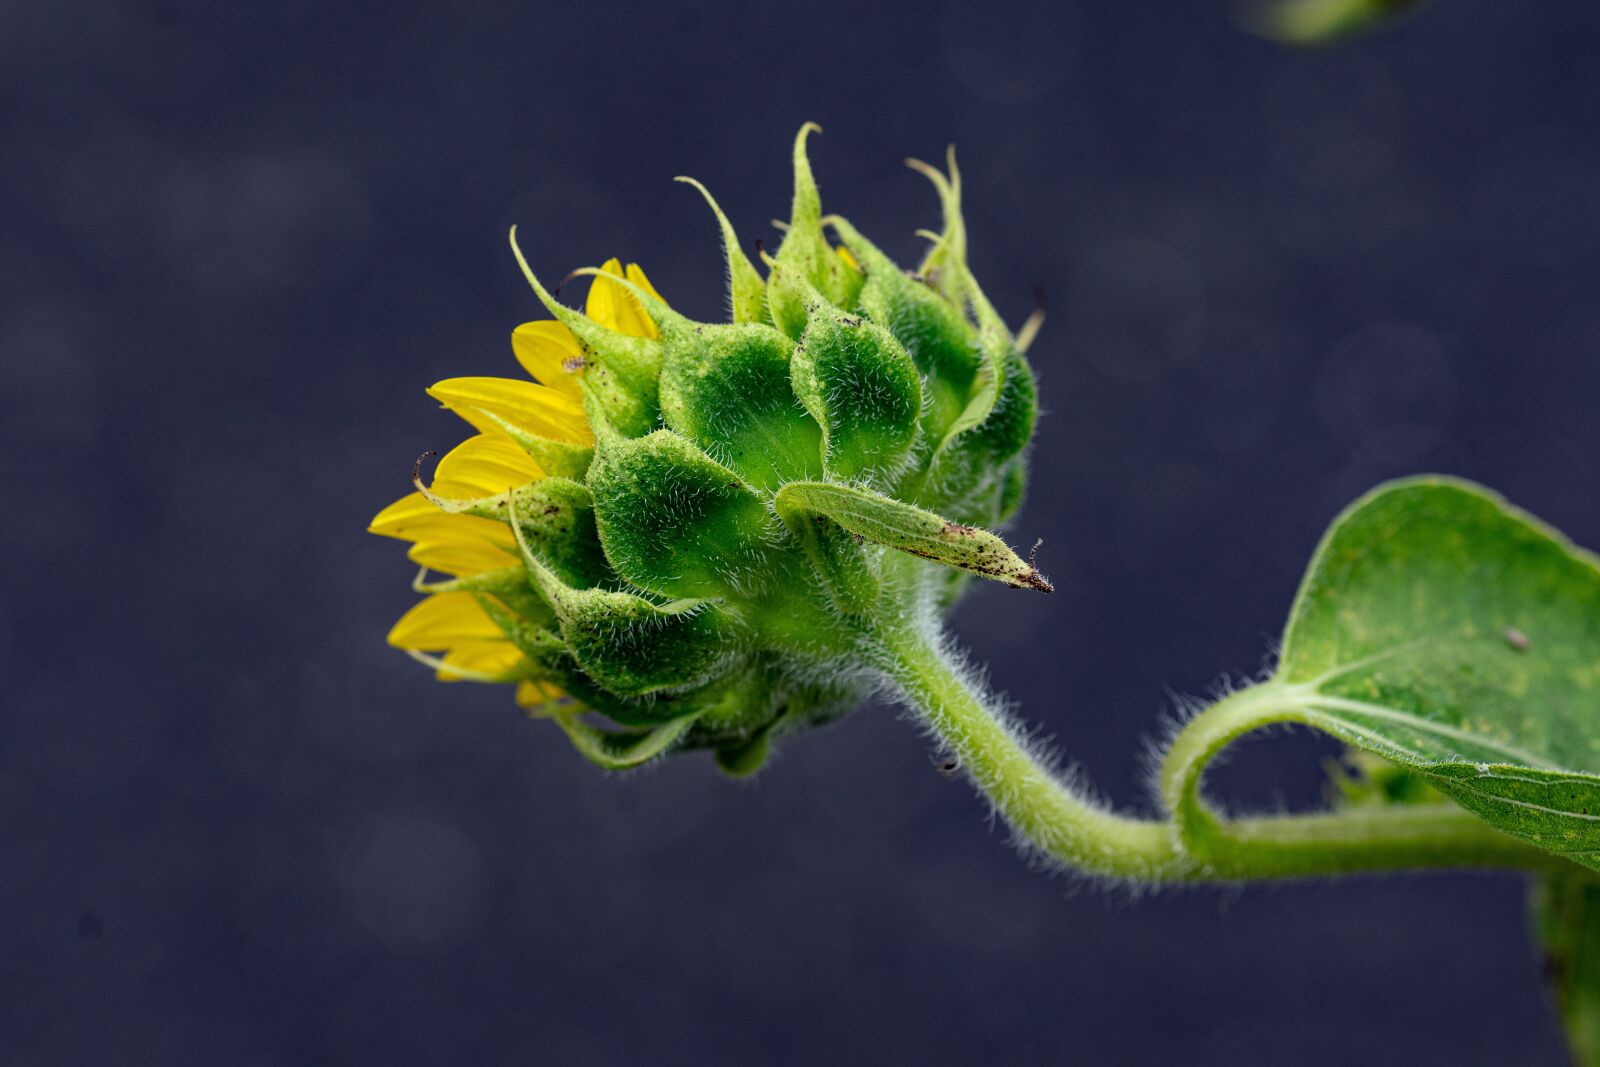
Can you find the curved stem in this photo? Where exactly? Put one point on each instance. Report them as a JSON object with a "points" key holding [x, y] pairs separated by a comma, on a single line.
{"points": [[1197, 845], [1043, 810], [1387, 838]]}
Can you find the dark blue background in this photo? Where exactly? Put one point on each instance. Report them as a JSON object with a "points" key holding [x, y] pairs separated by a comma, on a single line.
{"points": [[241, 239]]}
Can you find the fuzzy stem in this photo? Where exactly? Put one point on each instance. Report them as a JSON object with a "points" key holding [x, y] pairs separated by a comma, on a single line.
{"points": [[1043, 810], [1198, 845], [1388, 838]]}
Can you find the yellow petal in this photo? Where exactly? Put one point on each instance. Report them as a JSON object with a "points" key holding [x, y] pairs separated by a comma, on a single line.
{"points": [[480, 657], [414, 518], [442, 621], [537, 696], [485, 465], [613, 307], [460, 558], [402, 513], [536, 408], [635, 274], [550, 354], [849, 259]]}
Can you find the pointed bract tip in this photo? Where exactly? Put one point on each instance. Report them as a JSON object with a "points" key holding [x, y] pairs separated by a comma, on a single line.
{"points": [[1035, 580], [807, 202], [746, 292], [697, 183], [416, 474], [527, 272], [711, 202], [932, 173]]}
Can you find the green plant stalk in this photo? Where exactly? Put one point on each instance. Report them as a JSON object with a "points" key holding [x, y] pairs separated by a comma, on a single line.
{"points": [[1439, 835], [1563, 915], [1195, 844]]}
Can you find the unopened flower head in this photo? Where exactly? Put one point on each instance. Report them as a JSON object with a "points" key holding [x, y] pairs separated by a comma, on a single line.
{"points": [[686, 528]]}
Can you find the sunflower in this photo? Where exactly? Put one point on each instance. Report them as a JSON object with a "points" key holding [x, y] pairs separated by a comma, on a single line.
{"points": [[453, 629], [678, 535]]}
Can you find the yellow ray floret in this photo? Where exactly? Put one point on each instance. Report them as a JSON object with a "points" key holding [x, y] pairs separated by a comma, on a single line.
{"points": [[415, 518], [531, 406], [550, 354], [437, 622], [612, 306], [477, 658], [454, 624], [485, 465], [460, 558], [540, 697]]}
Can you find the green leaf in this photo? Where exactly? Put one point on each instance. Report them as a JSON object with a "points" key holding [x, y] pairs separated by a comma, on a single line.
{"points": [[1457, 637], [889, 522]]}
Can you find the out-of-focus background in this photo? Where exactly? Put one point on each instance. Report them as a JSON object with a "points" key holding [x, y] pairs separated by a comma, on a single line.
{"points": [[239, 240]]}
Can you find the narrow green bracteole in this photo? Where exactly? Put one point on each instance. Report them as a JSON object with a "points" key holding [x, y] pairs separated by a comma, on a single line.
{"points": [[909, 529]]}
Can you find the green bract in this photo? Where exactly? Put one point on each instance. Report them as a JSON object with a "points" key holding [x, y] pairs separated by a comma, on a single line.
{"points": [[763, 493]]}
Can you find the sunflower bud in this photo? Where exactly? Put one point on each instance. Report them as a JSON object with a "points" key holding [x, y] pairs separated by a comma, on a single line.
{"points": [[685, 528]]}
